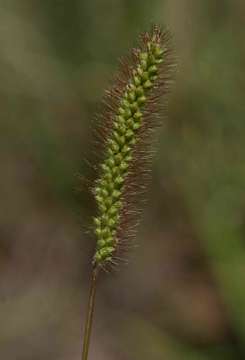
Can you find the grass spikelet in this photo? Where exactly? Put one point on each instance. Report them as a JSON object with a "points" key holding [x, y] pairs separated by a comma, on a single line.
{"points": [[130, 115]]}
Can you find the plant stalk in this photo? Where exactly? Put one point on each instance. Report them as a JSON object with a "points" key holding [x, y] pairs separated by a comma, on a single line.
{"points": [[89, 314]]}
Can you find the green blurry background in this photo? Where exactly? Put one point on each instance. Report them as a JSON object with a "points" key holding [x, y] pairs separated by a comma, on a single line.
{"points": [[182, 296]]}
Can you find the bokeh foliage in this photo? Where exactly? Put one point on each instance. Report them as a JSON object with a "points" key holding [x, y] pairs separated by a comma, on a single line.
{"points": [[182, 295]]}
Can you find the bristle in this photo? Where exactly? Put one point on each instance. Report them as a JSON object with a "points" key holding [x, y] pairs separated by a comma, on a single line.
{"points": [[125, 130]]}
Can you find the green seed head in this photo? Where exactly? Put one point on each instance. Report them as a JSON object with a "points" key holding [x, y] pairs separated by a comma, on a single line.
{"points": [[144, 77]]}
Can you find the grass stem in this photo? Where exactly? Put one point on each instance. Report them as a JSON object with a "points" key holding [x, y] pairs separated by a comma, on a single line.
{"points": [[89, 314]]}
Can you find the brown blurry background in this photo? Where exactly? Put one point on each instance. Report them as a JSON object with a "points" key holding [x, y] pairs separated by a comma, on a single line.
{"points": [[182, 296]]}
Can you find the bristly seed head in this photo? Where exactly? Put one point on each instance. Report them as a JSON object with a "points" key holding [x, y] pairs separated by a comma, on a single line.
{"points": [[131, 103]]}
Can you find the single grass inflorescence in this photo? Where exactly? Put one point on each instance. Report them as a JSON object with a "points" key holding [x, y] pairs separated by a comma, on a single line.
{"points": [[132, 112]]}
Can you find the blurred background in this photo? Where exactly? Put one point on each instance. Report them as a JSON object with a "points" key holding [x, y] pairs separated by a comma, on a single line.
{"points": [[182, 296]]}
